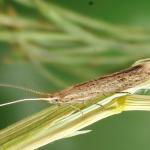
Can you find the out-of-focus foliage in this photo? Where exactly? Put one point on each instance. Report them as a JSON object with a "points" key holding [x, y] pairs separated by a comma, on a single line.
{"points": [[44, 45], [44, 33]]}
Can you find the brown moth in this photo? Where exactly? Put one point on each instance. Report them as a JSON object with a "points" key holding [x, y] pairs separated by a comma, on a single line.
{"points": [[82, 92], [112, 83]]}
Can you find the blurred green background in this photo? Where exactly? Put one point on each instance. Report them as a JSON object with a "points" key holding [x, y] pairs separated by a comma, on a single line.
{"points": [[49, 45]]}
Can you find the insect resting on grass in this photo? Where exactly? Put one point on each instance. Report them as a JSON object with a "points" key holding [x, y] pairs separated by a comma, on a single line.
{"points": [[82, 92]]}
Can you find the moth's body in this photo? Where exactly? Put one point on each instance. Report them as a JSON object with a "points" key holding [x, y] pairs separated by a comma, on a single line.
{"points": [[104, 85], [109, 84]]}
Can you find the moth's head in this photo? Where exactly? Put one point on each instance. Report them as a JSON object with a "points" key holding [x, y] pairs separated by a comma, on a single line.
{"points": [[145, 62]]}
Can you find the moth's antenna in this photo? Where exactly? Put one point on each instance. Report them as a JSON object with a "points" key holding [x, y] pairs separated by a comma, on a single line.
{"points": [[49, 99], [25, 89], [23, 100]]}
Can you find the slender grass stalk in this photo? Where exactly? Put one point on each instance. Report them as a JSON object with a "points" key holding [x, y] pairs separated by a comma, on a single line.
{"points": [[18, 22]]}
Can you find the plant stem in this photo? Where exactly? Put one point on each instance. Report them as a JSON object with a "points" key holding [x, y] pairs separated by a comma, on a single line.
{"points": [[57, 122]]}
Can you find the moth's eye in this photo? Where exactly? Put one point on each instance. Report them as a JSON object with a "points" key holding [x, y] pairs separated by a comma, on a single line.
{"points": [[54, 100]]}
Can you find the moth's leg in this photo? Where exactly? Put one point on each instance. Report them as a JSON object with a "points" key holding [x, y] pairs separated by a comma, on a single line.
{"points": [[76, 108], [123, 92], [104, 94], [70, 105], [109, 94], [100, 106], [58, 104]]}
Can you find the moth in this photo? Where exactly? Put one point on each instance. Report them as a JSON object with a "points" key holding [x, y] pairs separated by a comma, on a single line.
{"points": [[82, 92]]}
